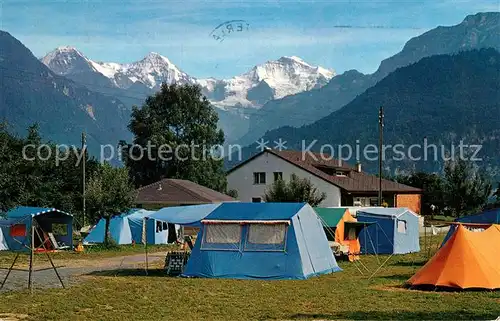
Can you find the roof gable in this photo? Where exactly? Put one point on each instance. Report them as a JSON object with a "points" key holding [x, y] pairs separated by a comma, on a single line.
{"points": [[179, 191], [330, 216], [255, 211]]}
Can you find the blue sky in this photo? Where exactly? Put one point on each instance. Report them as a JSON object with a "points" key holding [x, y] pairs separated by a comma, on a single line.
{"points": [[125, 31]]}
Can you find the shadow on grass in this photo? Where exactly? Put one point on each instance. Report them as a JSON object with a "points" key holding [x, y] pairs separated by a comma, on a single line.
{"points": [[396, 315], [130, 272], [398, 277], [410, 263]]}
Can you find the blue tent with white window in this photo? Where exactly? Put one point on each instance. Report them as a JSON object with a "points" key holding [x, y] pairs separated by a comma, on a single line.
{"points": [[390, 231], [257, 241], [487, 217], [129, 227], [53, 229]]}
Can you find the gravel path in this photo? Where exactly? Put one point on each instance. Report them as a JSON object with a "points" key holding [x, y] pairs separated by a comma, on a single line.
{"points": [[45, 277]]}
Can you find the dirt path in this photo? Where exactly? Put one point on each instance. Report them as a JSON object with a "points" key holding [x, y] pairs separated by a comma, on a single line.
{"points": [[45, 277]]}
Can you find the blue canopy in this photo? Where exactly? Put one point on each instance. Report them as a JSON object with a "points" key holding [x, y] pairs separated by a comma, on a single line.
{"points": [[257, 211], [49, 220], [22, 211], [128, 228], [261, 241], [189, 215]]}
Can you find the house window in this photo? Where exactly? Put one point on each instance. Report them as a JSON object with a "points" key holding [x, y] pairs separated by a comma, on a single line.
{"points": [[338, 173], [221, 237], [259, 178], [266, 237], [278, 175], [256, 200], [401, 226]]}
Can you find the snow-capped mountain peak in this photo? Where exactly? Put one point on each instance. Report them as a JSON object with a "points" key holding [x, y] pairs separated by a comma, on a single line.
{"points": [[273, 79], [66, 60]]}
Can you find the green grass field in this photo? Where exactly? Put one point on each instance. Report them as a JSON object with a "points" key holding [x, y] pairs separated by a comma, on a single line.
{"points": [[90, 253], [131, 295]]}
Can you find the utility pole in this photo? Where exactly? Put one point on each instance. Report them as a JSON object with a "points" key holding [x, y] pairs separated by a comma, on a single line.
{"points": [[84, 158], [380, 146]]}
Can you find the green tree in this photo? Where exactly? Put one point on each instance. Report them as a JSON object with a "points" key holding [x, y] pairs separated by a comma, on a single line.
{"points": [[466, 187], [296, 190], [432, 185], [177, 127], [233, 193], [25, 179], [497, 195], [109, 193]]}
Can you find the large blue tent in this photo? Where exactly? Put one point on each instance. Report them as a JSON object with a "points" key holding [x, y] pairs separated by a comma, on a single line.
{"points": [[257, 241], [487, 217], [389, 231], [129, 228], [17, 228]]}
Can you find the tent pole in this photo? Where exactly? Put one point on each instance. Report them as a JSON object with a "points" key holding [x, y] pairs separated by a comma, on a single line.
{"points": [[10, 269], [146, 252], [50, 259], [425, 236], [30, 280]]}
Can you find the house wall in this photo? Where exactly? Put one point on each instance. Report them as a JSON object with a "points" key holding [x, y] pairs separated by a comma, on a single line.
{"points": [[411, 201], [241, 179]]}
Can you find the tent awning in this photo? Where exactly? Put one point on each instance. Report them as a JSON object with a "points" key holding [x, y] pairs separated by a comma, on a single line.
{"points": [[245, 222], [184, 215]]}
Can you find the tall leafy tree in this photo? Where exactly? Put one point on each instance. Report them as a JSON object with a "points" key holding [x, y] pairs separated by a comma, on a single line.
{"points": [[296, 190], [175, 131], [466, 187], [109, 193], [26, 179]]}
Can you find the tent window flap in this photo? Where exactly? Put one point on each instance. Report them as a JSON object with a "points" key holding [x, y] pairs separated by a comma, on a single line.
{"points": [[18, 230], [401, 226], [266, 237], [221, 236]]}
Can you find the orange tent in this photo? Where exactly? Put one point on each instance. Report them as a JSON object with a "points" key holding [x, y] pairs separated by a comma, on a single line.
{"points": [[338, 219], [467, 260]]}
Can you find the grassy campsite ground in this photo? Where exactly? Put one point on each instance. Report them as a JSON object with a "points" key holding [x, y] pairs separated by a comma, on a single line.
{"points": [[91, 253], [131, 295]]}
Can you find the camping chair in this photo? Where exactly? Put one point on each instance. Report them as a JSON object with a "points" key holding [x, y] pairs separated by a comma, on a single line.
{"points": [[55, 244]]}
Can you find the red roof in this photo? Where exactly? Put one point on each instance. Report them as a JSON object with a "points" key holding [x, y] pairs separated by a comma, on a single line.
{"points": [[353, 181], [180, 192]]}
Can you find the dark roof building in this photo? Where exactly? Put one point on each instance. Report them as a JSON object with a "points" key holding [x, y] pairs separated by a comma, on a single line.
{"points": [[173, 192]]}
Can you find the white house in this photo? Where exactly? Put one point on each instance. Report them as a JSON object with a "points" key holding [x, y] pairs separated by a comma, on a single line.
{"points": [[343, 184]]}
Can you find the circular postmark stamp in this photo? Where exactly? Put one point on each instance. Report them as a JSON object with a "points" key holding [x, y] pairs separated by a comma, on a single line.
{"points": [[226, 28]]}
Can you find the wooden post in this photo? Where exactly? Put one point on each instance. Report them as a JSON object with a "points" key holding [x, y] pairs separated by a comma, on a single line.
{"points": [[10, 269], [32, 249]]}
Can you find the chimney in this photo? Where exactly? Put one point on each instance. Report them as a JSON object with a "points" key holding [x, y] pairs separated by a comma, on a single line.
{"points": [[358, 167]]}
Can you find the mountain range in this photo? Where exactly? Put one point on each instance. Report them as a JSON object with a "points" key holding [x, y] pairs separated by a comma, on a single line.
{"points": [[481, 30], [439, 101], [66, 92], [31, 93], [133, 82], [271, 80]]}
